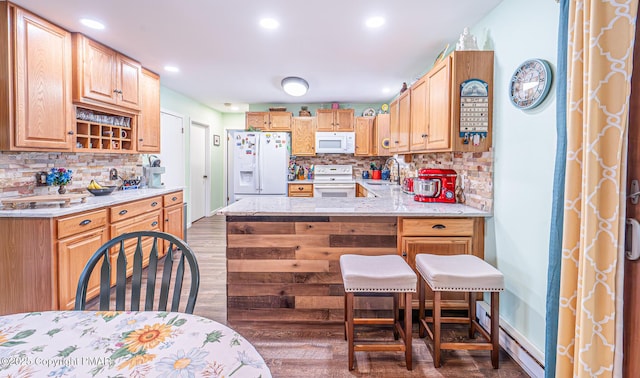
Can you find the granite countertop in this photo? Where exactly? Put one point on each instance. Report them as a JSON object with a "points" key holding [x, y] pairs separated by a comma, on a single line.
{"points": [[389, 200], [93, 202]]}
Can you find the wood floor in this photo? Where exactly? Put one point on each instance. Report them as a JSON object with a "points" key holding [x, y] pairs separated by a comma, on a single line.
{"points": [[308, 350]]}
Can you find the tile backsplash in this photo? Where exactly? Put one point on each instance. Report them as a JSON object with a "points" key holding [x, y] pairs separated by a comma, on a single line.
{"points": [[18, 170], [475, 170]]}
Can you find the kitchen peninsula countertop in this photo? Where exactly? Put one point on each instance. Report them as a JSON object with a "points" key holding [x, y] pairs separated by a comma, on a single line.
{"points": [[389, 201], [93, 202]]}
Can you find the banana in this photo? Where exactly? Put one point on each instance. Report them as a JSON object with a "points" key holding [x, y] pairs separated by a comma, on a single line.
{"points": [[94, 185]]}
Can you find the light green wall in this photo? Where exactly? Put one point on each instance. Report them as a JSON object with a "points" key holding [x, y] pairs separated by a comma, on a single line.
{"points": [[524, 152], [193, 111], [295, 108]]}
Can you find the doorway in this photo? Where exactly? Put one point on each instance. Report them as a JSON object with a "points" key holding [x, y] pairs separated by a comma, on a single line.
{"points": [[200, 151]]}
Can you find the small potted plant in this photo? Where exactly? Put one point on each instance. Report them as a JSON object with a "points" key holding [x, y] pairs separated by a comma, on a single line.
{"points": [[60, 177]]}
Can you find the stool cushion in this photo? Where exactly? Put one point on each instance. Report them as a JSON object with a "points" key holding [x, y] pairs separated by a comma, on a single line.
{"points": [[387, 273], [458, 273]]}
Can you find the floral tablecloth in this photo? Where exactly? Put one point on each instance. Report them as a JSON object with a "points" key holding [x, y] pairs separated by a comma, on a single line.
{"points": [[123, 344]]}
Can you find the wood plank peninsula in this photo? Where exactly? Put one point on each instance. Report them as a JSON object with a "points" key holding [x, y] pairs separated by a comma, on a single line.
{"points": [[283, 253]]}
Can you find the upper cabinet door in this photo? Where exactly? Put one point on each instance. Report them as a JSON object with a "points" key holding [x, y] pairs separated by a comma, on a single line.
{"points": [[439, 127], [128, 82], [99, 68], [344, 119], [43, 109], [149, 118]]}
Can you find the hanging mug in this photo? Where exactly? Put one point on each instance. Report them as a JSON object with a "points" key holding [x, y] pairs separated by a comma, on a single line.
{"points": [[123, 134]]}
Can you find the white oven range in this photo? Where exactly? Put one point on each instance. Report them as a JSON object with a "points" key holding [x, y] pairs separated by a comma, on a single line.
{"points": [[334, 181]]}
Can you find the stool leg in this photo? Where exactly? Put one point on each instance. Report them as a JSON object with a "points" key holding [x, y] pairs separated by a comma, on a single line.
{"points": [[436, 328], [472, 315], [495, 328], [407, 329], [350, 331], [345, 317], [422, 332], [396, 314]]}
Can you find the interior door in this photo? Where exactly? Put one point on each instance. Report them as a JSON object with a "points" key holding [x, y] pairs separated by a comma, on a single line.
{"points": [[631, 323], [172, 147], [198, 169]]}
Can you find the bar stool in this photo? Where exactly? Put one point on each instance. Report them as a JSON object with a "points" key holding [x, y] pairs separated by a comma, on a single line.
{"points": [[387, 274], [465, 273]]}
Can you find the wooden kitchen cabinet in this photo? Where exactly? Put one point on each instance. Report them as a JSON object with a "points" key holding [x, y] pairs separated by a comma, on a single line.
{"points": [[436, 123], [303, 136], [173, 214], [36, 110], [361, 191], [148, 125], [364, 136], [268, 121], [441, 236], [419, 122], [381, 140], [79, 236], [104, 77], [300, 190], [393, 126], [404, 123], [335, 119]]}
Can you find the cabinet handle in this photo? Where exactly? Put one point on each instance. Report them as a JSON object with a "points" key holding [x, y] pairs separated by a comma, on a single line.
{"points": [[438, 226], [140, 140], [115, 91], [85, 222], [154, 223], [70, 132], [166, 220], [424, 135], [396, 142], [174, 198], [404, 253], [300, 188], [123, 212], [154, 204]]}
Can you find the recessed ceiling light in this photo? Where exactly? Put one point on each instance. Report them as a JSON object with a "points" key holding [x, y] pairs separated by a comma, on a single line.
{"points": [[374, 22], [235, 108], [386, 90], [269, 23], [93, 24], [171, 69]]}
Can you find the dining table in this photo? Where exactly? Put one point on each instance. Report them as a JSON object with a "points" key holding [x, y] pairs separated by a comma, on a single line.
{"points": [[123, 344]]}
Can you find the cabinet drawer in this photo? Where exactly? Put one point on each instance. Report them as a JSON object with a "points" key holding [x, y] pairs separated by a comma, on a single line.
{"points": [[437, 227], [172, 199], [300, 190], [131, 209], [75, 224]]}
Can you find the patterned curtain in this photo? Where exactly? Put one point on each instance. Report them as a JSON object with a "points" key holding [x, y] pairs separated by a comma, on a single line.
{"points": [[600, 51]]}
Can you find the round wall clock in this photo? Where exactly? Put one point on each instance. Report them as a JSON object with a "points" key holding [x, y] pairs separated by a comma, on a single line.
{"points": [[530, 84]]}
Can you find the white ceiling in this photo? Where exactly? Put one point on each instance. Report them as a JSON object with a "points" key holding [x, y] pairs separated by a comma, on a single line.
{"points": [[224, 56]]}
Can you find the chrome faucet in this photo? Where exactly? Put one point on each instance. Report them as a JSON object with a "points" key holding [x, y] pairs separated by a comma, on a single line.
{"points": [[398, 164]]}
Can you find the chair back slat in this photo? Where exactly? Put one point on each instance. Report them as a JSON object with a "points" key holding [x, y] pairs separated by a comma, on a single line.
{"points": [[152, 270], [121, 278], [105, 281], [171, 282], [136, 279], [178, 285], [166, 279]]}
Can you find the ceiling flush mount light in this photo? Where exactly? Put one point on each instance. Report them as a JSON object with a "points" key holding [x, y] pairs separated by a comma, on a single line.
{"points": [[93, 24], [171, 69], [374, 22], [269, 23], [295, 86]]}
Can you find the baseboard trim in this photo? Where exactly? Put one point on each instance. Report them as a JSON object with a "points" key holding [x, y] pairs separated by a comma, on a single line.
{"points": [[530, 358]]}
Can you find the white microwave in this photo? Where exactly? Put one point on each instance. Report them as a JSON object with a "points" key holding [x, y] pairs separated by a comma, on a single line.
{"points": [[335, 142]]}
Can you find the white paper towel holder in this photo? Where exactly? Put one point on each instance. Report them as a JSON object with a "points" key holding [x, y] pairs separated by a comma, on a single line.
{"points": [[632, 239]]}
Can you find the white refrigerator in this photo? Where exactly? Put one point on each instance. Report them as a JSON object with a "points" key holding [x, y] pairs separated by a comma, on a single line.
{"points": [[257, 164]]}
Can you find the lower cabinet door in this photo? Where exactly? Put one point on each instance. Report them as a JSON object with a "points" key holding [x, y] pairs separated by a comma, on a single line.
{"points": [[412, 246], [73, 254], [173, 223], [147, 222]]}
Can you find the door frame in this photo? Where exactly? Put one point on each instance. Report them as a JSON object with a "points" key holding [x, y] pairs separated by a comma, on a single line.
{"points": [[207, 166]]}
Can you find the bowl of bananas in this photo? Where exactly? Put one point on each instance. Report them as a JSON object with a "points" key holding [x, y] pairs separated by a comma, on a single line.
{"points": [[99, 190]]}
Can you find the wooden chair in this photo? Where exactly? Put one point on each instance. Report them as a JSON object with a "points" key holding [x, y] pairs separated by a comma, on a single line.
{"points": [[371, 275], [460, 273], [144, 244]]}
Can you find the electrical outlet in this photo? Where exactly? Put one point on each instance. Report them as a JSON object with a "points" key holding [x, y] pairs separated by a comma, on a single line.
{"points": [[41, 179]]}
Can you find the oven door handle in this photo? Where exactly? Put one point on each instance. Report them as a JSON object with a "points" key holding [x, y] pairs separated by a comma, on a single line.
{"points": [[323, 186]]}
